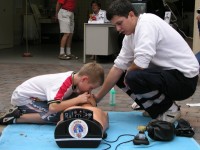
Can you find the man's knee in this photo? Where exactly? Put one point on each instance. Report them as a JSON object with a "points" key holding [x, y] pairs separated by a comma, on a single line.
{"points": [[132, 77]]}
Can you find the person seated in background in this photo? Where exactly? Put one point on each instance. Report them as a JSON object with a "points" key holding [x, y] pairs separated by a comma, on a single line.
{"points": [[98, 14], [43, 98]]}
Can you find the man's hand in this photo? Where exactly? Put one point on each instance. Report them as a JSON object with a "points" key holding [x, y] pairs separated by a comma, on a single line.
{"points": [[92, 101]]}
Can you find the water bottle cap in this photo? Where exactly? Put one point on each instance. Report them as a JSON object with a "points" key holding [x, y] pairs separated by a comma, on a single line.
{"points": [[113, 91]]}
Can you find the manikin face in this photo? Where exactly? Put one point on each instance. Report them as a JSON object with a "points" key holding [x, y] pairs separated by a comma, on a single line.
{"points": [[125, 25]]}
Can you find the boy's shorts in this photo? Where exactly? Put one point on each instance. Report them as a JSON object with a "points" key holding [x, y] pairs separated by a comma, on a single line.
{"points": [[66, 21], [42, 108]]}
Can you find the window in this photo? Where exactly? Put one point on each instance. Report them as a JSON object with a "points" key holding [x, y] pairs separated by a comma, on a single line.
{"points": [[140, 7]]}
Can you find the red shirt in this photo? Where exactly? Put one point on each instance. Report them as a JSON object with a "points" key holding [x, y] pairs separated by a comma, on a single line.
{"points": [[68, 4]]}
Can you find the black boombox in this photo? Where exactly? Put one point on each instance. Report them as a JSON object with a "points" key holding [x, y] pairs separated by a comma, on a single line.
{"points": [[78, 130]]}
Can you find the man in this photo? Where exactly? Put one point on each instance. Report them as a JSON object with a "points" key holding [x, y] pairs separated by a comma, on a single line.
{"points": [[65, 15], [161, 67]]}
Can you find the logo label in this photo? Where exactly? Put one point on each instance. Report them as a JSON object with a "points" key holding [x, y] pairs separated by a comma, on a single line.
{"points": [[78, 129]]}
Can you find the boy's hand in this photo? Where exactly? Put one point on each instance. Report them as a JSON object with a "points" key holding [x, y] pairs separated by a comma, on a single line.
{"points": [[83, 98], [87, 98]]}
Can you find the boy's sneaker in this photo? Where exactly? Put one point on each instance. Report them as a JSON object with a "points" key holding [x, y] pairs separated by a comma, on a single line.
{"points": [[10, 115], [170, 115]]}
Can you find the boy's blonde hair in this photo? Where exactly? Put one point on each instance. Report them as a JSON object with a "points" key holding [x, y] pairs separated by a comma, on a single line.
{"points": [[94, 71]]}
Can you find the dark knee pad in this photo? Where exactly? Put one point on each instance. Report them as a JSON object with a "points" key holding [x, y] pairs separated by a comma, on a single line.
{"points": [[132, 79]]}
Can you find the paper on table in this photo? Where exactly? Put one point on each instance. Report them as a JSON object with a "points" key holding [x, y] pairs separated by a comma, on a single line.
{"points": [[194, 104]]}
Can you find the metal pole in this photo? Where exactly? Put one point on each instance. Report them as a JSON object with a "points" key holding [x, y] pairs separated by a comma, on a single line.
{"points": [[27, 54]]}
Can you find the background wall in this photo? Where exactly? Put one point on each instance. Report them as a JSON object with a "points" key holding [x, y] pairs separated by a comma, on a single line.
{"points": [[6, 25], [185, 8], [196, 38], [48, 6]]}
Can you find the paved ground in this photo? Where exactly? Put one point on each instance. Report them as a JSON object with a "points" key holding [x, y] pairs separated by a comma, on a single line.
{"points": [[14, 69]]}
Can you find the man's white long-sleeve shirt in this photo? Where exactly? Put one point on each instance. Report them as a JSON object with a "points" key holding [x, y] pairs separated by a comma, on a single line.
{"points": [[156, 44]]}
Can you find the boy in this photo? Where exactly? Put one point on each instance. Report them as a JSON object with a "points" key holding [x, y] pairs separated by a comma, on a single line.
{"points": [[41, 99]]}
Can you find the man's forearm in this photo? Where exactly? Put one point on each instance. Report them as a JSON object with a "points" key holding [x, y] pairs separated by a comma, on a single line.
{"points": [[132, 67], [111, 79]]}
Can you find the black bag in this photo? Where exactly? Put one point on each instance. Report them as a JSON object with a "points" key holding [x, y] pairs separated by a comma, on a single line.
{"points": [[184, 129], [161, 130]]}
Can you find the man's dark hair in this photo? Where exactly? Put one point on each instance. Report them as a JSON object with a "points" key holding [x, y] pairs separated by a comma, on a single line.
{"points": [[120, 8], [96, 2]]}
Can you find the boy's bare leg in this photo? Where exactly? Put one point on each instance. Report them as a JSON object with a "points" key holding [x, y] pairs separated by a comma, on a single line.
{"points": [[30, 118]]}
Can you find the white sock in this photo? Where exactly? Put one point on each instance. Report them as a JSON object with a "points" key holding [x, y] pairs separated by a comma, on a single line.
{"points": [[173, 108], [62, 50], [68, 50]]}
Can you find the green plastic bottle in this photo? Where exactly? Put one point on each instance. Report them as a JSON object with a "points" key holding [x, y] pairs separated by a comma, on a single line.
{"points": [[112, 101]]}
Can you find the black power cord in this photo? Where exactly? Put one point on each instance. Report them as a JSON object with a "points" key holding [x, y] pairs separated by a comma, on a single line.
{"points": [[119, 137], [109, 146], [122, 143], [107, 142]]}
